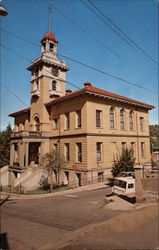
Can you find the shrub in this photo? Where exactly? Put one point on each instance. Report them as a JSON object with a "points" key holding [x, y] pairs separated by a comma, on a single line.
{"points": [[124, 162], [44, 183]]}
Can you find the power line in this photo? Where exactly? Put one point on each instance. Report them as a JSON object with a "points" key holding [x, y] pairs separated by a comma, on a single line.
{"points": [[82, 1], [14, 94], [89, 34], [118, 31], [16, 53], [91, 67], [108, 74]]}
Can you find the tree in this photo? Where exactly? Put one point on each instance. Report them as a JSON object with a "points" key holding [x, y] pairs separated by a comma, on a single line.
{"points": [[123, 162], [5, 146], [154, 137], [53, 162]]}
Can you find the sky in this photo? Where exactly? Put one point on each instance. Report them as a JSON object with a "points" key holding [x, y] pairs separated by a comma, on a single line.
{"points": [[82, 36]]}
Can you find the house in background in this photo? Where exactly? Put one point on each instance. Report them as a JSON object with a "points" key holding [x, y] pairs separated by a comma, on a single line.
{"points": [[88, 126]]}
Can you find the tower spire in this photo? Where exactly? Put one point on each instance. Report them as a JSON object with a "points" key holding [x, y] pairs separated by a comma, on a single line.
{"points": [[50, 10]]}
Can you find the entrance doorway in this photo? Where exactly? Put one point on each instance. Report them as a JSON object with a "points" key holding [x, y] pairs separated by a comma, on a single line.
{"points": [[79, 178], [34, 152]]}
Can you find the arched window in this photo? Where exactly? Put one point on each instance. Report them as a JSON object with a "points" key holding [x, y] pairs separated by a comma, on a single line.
{"points": [[53, 85], [122, 119], [51, 46], [37, 123], [131, 120], [112, 118]]}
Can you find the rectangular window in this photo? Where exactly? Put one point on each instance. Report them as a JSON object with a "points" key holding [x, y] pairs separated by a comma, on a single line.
{"points": [[78, 115], [131, 120], [111, 118], [142, 149], [123, 146], [79, 152], [99, 151], [51, 46], [133, 147], [55, 147], [98, 118], [67, 151], [141, 123], [67, 121], [122, 119], [56, 121]]}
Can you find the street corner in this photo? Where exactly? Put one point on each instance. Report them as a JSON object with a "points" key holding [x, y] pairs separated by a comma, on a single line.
{"points": [[117, 203]]}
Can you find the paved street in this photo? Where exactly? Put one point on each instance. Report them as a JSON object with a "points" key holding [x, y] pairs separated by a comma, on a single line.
{"points": [[31, 224]]}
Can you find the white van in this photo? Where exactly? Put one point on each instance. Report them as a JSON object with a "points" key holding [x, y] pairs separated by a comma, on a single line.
{"points": [[124, 186]]}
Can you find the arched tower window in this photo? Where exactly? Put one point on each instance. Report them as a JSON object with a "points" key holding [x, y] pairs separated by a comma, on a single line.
{"points": [[37, 123], [51, 46], [122, 125], [112, 125], [131, 120], [54, 85]]}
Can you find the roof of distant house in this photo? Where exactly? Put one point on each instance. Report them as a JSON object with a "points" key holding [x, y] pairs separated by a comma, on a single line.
{"points": [[93, 91]]}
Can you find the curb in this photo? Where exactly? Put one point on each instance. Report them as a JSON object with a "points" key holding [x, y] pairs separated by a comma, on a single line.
{"points": [[60, 193]]}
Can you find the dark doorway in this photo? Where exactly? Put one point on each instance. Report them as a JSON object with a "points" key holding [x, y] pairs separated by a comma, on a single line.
{"points": [[79, 179], [34, 152]]}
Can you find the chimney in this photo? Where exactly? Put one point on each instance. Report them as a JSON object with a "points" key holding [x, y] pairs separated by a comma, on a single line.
{"points": [[68, 91], [87, 84]]}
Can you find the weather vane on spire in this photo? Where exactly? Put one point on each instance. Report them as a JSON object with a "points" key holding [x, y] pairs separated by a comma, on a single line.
{"points": [[50, 11]]}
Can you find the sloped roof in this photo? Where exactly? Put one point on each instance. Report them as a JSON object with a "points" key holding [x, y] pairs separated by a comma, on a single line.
{"points": [[49, 36], [89, 89], [26, 110]]}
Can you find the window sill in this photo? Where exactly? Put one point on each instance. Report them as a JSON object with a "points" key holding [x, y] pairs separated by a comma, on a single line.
{"points": [[67, 129], [78, 128]]}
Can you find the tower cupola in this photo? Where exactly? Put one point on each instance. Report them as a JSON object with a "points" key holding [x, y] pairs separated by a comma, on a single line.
{"points": [[49, 41]]}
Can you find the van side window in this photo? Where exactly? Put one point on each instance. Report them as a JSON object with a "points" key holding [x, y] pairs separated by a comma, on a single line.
{"points": [[131, 185]]}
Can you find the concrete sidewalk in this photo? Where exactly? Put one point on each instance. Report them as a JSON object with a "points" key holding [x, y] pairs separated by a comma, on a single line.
{"points": [[4, 195]]}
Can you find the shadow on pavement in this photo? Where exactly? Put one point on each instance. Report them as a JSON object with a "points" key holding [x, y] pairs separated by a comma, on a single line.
{"points": [[4, 200], [4, 241], [129, 199]]}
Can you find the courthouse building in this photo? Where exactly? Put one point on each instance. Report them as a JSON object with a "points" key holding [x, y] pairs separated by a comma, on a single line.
{"points": [[88, 126]]}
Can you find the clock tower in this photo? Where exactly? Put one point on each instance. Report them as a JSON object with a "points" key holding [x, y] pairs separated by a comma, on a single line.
{"points": [[48, 74]]}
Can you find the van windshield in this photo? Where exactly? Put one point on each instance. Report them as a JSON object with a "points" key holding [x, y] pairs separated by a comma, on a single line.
{"points": [[120, 183]]}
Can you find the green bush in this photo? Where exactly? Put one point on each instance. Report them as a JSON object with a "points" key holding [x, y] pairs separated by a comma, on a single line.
{"points": [[124, 162], [44, 183]]}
